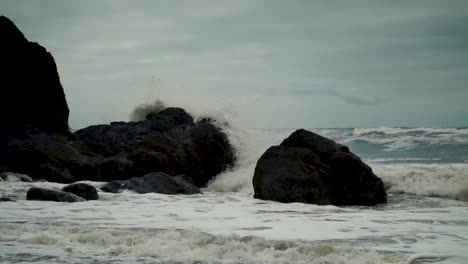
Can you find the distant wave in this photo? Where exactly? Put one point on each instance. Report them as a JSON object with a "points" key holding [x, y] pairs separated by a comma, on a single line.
{"points": [[392, 139], [438, 180]]}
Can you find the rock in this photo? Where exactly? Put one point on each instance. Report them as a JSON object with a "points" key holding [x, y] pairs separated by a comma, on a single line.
{"points": [[52, 195], [15, 177], [53, 173], [168, 118], [168, 141], [156, 182], [83, 190], [309, 168], [6, 199], [31, 89]]}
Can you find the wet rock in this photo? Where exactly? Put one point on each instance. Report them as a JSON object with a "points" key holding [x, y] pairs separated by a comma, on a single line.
{"points": [[309, 168], [6, 199], [43, 194], [156, 182], [83, 190], [53, 173], [15, 177]]}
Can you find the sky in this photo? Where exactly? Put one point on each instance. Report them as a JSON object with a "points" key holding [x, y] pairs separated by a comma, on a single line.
{"points": [[259, 64]]}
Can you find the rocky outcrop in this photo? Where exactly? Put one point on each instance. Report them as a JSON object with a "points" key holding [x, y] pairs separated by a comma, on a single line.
{"points": [[122, 150], [83, 190], [156, 182], [34, 138], [33, 98], [43, 194], [309, 168]]}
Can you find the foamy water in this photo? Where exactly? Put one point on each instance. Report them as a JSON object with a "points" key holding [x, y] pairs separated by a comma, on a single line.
{"points": [[425, 221]]}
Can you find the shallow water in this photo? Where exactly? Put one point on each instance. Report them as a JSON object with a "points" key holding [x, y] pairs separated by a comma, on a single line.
{"points": [[229, 228], [425, 220]]}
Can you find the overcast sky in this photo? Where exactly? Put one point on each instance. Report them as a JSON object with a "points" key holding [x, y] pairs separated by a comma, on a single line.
{"points": [[262, 64]]}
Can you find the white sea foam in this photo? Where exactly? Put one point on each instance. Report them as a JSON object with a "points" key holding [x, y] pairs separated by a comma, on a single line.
{"points": [[183, 246], [440, 180], [209, 225], [250, 145]]}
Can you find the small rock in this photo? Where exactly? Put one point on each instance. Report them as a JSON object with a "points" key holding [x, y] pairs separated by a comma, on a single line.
{"points": [[43, 194], [155, 182]]}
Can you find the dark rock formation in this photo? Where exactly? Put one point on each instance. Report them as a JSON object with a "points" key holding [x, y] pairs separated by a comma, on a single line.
{"points": [[121, 150], [309, 168], [82, 190], [34, 138], [6, 199], [33, 97], [156, 182], [52, 195]]}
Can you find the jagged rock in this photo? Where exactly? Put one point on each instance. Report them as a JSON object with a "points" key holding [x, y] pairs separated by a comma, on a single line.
{"points": [[168, 119], [83, 190], [309, 168], [33, 97], [43, 194], [175, 146], [156, 182]]}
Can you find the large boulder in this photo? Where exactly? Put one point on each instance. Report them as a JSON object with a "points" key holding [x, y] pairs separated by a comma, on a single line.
{"points": [[309, 168], [43, 194], [83, 190], [33, 97], [156, 182]]}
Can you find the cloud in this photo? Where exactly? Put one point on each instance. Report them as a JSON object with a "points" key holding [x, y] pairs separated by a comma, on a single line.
{"points": [[364, 53], [358, 98]]}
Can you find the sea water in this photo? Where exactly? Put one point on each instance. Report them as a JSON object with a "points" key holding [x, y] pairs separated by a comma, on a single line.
{"points": [[425, 171]]}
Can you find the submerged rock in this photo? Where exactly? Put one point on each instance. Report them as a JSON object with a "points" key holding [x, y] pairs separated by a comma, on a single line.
{"points": [[43, 194], [309, 168], [83, 190], [156, 182], [6, 199]]}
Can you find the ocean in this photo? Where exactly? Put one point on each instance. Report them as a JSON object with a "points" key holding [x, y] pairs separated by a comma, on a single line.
{"points": [[425, 171]]}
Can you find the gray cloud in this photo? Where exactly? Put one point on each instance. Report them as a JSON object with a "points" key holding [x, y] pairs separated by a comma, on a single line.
{"points": [[327, 63]]}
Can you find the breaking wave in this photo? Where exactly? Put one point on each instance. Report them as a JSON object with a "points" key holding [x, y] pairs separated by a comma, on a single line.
{"points": [[183, 246], [437, 180]]}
